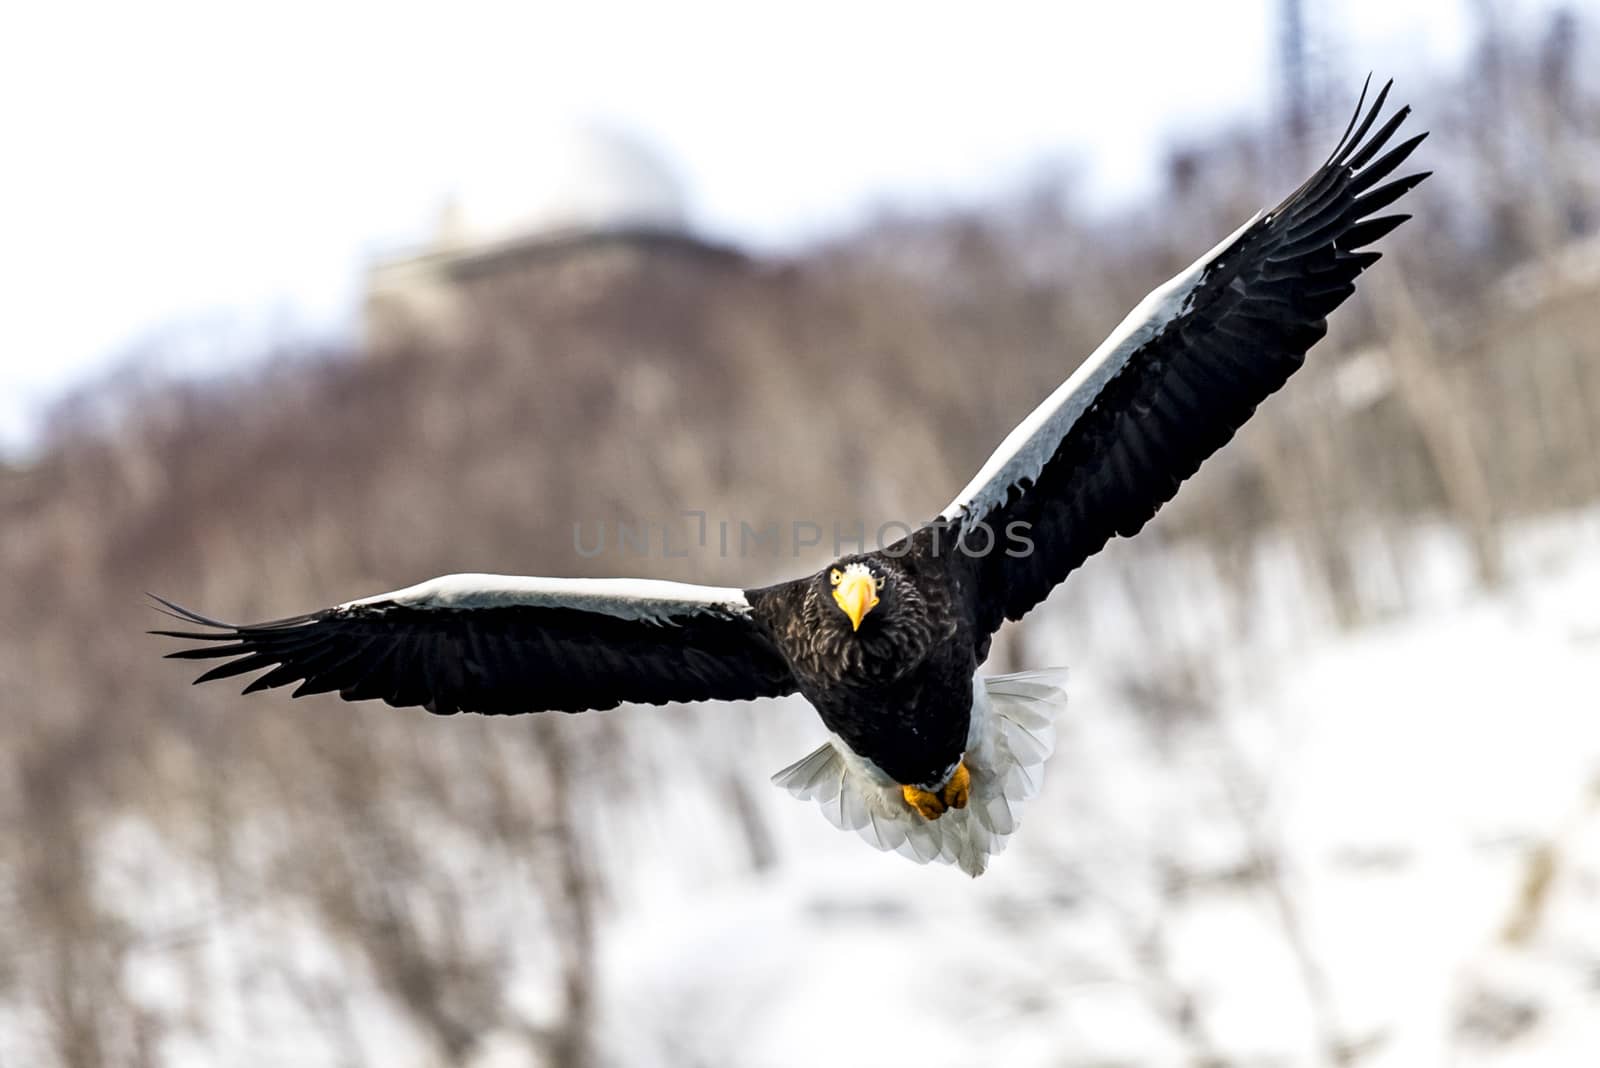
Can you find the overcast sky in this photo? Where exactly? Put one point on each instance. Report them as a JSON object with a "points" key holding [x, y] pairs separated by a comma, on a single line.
{"points": [[199, 170]]}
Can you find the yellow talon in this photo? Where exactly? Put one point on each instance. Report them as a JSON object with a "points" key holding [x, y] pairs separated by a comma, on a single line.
{"points": [[929, 806], [958, 788], [954, 794]]}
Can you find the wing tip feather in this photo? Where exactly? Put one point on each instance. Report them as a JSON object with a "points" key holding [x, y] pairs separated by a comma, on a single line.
{"points": [[187, 615]]}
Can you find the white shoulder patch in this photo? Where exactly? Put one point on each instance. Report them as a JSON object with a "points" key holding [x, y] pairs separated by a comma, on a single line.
{"points": [[1025, 451], [624, 598]]}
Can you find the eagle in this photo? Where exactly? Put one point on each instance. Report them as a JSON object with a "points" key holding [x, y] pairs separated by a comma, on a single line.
{"points": [[925, 757]]}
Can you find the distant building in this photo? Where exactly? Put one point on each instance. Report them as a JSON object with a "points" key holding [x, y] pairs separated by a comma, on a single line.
{"points": [[599, 206]]}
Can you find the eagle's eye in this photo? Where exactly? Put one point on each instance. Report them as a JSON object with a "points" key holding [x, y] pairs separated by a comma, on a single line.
{"points": [[836, 576]]}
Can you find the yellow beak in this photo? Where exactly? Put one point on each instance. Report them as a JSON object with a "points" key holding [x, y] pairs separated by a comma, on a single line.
{"points": [[857, 595]]}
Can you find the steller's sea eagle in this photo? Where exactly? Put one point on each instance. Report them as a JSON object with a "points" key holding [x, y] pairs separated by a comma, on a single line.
{"points": [[926, 757]]}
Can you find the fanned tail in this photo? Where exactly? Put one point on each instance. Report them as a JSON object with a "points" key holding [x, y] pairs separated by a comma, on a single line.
{"points": [[1011, 737], [855, 796]]}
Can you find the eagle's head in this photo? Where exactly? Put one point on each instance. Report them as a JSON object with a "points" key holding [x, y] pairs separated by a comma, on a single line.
{"points": [[858, 588], [868, 621]]}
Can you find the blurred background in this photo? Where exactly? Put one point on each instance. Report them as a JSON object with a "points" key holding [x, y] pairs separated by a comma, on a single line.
{"points": [[307, 304]]}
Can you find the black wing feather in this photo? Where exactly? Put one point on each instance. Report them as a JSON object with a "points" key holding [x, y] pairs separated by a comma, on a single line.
{"points": [[497, 660], [1258, 306]]}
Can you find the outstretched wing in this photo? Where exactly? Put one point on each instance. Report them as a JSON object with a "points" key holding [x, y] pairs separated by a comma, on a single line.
{"points": [[1185, 370], [502, 644]]}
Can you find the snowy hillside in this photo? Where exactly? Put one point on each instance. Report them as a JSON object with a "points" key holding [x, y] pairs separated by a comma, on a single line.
{"points": [[1262, 841], [1381, 845]]}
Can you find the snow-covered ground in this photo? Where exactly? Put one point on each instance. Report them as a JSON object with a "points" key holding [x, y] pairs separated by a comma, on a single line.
{"points": [[1263, 840]]}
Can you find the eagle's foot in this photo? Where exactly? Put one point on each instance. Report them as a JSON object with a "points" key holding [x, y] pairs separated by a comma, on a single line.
{"points": [[959, 787], [954, 794]]}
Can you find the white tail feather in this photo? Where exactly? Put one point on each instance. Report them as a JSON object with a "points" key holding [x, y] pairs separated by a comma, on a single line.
{"points": [[1011, 737]]}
